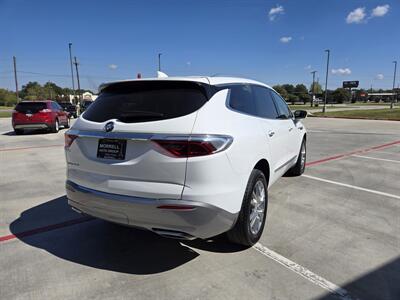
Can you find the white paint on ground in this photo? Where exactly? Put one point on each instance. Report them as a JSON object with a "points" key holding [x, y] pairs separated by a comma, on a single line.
{"points": [[376, 158], [304, 272], [353, 187]]}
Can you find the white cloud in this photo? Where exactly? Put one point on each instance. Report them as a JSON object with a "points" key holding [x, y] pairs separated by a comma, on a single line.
{"points": [[380, 11], [275, 11], [285, 39], [356, 16], [340, 71], [307, 67], [379, 76], [113, 66]]}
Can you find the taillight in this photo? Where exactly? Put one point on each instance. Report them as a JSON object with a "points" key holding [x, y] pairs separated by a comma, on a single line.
{"points": [[69, 139], [46, 110], [195, 145]]}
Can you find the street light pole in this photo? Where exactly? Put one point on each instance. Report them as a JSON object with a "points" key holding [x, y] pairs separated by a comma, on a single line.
{"points": [[159, 62], [15, 76], [326, 80], [77, 78], [72, 68], [313, 88], [394, 84]]}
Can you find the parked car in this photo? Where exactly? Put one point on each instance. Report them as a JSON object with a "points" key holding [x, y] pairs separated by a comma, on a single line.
{"points": [[85, 105], [39, 115], [184, 157], [70, 109]]}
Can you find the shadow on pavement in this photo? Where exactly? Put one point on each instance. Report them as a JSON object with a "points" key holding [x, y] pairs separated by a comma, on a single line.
{"points": [[381, 283], [104, 245]]}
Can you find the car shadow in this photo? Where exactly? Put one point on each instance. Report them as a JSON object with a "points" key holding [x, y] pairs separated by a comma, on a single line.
{"points": [[53, 226], [380, 283]]}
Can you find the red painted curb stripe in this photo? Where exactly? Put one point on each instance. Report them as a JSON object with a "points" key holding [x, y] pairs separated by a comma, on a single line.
{"points": [[45, 229], [85, 219], [34, 147], [317, 162]]}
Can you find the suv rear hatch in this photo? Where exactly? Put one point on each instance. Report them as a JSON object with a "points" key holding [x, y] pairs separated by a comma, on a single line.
{"points": [[115, 150], [31, 112]]}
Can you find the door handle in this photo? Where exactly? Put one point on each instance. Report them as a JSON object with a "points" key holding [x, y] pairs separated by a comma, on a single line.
{"points": [[271, 133], [291, 128]]}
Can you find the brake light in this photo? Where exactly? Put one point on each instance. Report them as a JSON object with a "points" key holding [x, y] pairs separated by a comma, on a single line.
{"points": [[195, 145], [69, 139], [46, 110]]}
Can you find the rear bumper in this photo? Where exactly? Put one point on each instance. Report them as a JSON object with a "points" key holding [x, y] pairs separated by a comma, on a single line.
{"points": [[202, 220], [32, 126]]}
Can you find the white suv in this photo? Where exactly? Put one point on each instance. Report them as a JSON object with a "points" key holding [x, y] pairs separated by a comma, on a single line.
{"points": [[185, 157]]}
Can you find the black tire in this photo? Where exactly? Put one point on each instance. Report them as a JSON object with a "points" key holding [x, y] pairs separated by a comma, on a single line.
{"points": [[56, 127], [300, 165], [18, 131], [242, 233]]}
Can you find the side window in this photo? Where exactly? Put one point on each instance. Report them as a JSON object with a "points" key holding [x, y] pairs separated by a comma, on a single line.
{"points": [[53, 106], [241, 99], [283, 109], [264, 104]]}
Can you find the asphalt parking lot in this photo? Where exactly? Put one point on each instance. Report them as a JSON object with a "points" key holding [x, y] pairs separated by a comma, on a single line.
{"points": [[333, 233]]}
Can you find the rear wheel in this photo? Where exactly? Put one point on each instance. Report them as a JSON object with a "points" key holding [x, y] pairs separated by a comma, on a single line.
{"points": [[18, 131], [250, 223], [300, 165], [56, 127]]}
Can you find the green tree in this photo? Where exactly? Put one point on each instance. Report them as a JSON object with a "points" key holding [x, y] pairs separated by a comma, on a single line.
{"points": [[341, 95], [317, 88], [289, 88], [32, 91], [302, 93], [293, 98], [7, 98], [51, 90]]}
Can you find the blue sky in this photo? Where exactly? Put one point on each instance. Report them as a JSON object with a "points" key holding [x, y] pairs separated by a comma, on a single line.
{"points": [[271, 41]]}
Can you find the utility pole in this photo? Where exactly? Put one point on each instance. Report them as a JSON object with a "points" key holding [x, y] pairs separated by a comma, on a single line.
{"points": [[394, 84], [326, 80], [72, 69], [313, 88], [159, 61], [77, 77], [15, 77]]}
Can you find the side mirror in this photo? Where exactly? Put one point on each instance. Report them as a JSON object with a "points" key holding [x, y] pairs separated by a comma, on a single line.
{"points": [[300, 114]]}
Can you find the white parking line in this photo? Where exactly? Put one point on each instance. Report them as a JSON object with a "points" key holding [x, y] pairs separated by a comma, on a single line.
{"points": [[353, 187], [304, 272], [382, 159]]}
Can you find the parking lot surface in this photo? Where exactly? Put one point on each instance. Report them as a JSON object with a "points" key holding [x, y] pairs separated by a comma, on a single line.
{"points": [[333, 233]]}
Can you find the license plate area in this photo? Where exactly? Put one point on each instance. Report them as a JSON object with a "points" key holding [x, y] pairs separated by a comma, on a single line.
{"points": [[111, 149]]}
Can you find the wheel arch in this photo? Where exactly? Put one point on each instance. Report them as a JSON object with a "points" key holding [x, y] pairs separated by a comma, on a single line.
{"points": [[264, 167]]}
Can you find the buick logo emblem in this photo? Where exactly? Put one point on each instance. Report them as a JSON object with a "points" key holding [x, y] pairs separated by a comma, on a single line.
{"points": [[109, 127]]}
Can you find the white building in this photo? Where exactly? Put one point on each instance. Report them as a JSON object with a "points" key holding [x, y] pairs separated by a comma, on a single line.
{"points": [[85, 96]]}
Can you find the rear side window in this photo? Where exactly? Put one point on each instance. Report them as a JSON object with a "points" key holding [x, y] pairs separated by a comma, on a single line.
{"points": [[146, 101], [241, 99], [30, 107]]}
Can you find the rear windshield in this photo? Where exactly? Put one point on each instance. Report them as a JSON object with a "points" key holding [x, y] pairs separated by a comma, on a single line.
{"points": [[30, 107], [147, 101]]}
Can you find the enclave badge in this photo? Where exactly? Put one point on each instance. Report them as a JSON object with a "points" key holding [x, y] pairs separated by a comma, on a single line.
{"points": [[109, 127]]}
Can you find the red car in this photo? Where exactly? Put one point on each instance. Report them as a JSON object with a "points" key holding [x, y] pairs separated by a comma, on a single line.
{"points": [[39, 115]]}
